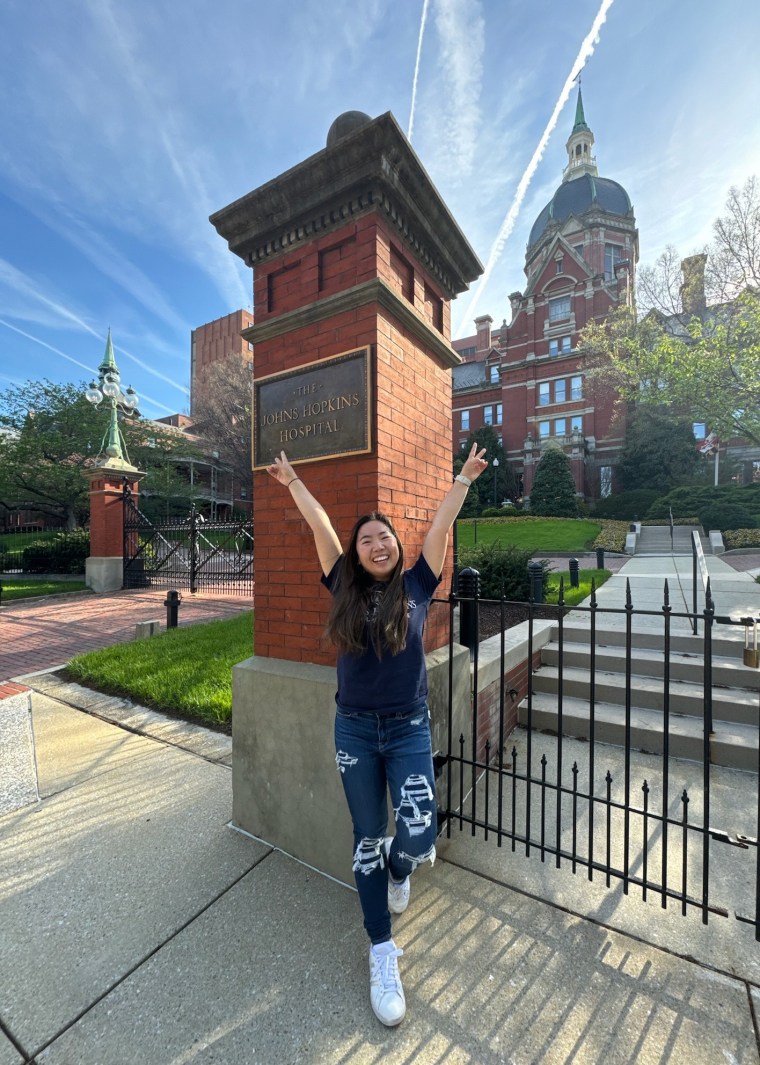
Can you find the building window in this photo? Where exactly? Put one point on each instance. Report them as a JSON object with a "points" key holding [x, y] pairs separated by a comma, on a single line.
{"points": [[464, 352], [559, 427], [488, 415], [578, 249], [498, 413], [605, 481], [543, 394], [613, 254], [576, 388], [465, 421], [494, 375], [560, 265], [560, 345], [576, 423], [559, 308], [543, 430], [559, 391]]}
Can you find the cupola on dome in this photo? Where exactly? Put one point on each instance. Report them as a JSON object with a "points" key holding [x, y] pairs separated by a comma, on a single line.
{"points": [[577, 196]]}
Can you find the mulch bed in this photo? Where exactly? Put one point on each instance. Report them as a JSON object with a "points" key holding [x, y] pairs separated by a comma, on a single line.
{"points": [[514, 614]]}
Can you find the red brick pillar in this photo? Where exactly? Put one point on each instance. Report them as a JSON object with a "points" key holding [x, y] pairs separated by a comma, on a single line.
{"points": [[352, 248], [104, 567]]}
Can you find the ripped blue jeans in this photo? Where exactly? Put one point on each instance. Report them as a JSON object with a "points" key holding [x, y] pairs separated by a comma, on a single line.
{"points": [[376, 753]]}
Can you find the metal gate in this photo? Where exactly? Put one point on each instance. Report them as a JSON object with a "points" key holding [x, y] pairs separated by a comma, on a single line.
{"points": [[651, 833], [190, 553]]}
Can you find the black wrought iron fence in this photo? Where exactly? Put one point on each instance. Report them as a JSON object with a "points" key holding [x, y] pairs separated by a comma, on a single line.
{"points": [[191, 552], [55, 552], [645, 822]]}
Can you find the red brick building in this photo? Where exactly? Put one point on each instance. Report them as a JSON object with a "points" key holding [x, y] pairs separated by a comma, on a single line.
{"points": [[213, 342], [526, 379]]}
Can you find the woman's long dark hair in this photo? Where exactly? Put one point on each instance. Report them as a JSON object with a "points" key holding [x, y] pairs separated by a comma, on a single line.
{"points": [[353, 600]]}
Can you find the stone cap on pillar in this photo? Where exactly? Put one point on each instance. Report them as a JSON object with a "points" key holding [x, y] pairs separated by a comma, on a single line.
{"points": [[114, 470], [371, 167]]}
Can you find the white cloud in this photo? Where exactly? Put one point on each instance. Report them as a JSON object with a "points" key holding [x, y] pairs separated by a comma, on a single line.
{"points": [[460, 30]]}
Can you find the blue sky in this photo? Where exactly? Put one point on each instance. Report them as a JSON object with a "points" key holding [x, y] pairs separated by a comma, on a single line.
{"points": [[124, 125]]}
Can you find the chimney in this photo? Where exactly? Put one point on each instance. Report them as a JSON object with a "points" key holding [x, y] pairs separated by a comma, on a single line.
{"points": [[483, 327], [693, 299]]}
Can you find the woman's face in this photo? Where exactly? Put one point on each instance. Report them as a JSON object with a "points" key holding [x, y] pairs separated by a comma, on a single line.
{"points": [[377, 549]]}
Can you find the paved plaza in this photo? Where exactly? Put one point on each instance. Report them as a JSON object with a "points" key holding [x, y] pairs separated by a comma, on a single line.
{"points": [[137, 927]]}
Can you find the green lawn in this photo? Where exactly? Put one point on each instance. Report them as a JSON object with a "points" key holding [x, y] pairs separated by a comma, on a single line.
{"points": [[531, 534], [185, 671], [9, 541], [573, 596], [23, 588]]}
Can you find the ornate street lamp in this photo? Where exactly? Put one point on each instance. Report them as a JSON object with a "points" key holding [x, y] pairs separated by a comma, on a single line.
{"points": [[108, 387]]}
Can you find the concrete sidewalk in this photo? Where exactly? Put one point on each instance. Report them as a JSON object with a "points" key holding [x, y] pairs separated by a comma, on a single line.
{"points": [[138, 928]]}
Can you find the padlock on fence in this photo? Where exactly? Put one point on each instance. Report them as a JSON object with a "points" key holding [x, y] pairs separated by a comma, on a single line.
{"points": [[751, 653]]}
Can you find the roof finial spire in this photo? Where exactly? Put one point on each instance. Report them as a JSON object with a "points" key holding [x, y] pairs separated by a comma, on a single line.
{"points": [[579, 144]]}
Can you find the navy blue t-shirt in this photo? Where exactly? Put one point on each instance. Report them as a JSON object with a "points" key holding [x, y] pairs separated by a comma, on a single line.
{"points": [[395, 682]]}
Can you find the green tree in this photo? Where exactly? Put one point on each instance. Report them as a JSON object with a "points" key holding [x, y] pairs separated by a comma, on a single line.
{"points": [[50, 434], [659, 451], [553, 493], [482, 495], [704, 367], [708, 371]]}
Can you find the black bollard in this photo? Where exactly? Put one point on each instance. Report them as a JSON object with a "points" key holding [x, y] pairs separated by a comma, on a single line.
{"points": [[573, 567], [172, 601], [469, 593], [536, 571], [600, 558]]}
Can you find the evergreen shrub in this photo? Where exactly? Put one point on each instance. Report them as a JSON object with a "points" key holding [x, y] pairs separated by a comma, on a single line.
{"points": [[62, 553], [724, 516], [625, 506], [503, 570]]}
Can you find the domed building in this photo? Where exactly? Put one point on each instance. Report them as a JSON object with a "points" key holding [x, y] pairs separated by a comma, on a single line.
{"points": [[527, 378]]}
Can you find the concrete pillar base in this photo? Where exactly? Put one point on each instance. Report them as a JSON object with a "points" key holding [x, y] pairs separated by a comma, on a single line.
{"points": [[285, 786], [104, 574]]}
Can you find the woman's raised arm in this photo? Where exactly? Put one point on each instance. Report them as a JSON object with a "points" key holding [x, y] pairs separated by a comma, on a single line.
{"points": [[437, 539], [325, 537]]}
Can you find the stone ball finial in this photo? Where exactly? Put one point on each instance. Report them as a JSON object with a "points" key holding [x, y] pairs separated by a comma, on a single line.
{"points": [[344, 124]]}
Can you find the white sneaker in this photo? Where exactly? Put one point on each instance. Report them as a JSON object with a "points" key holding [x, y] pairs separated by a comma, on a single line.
{"points": [[385, 991], [398, 890]]}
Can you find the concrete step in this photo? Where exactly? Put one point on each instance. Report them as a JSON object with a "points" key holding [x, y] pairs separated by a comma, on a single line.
{"points": [[727, 640], [732, 744], [650, 662], [686, 697], [656, 540]]}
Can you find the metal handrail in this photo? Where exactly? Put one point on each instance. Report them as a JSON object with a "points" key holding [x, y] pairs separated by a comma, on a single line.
{"points": [[698, 562]]}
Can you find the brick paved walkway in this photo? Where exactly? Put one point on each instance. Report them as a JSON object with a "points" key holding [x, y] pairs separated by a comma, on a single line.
{"points": [[41, 634]]}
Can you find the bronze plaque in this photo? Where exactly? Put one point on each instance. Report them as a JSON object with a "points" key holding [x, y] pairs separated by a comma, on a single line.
{"points": [[317, 411]]}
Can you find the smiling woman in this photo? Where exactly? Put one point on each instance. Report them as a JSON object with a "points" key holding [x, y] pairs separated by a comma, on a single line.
{"points": [[382, 723]]}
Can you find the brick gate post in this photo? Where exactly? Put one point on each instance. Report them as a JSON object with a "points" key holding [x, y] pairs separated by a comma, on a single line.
{"points": [[105, 566], [351, 249]]}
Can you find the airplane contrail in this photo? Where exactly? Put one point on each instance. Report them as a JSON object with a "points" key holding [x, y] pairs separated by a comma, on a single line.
{"points": [[586, 50], [76, 362], [415, 79]]}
